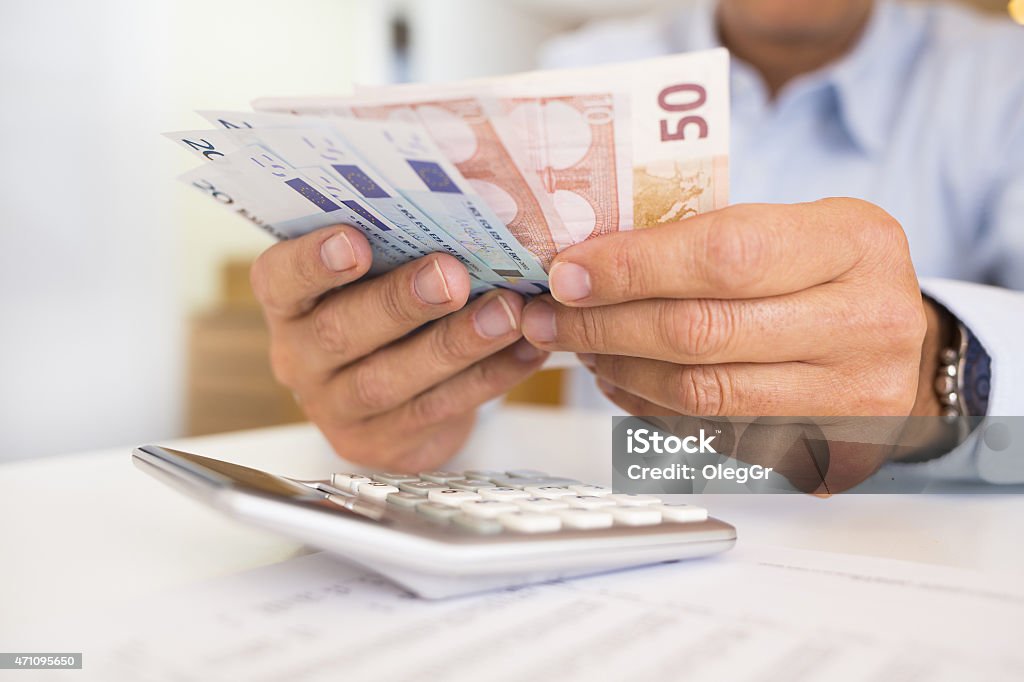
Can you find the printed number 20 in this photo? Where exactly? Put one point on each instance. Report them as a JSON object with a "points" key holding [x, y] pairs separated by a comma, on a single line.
{"points": [[667, 104]]}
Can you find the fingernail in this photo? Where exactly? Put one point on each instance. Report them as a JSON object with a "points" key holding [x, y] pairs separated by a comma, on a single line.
{"points": [[539, 322], [588, 359], [337, 253], [430, 284], [525, 351], [605, 387], [569, 282], [495, 319]]}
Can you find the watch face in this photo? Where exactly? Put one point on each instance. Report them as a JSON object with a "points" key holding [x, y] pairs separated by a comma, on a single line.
{"points": [[975, 375]]}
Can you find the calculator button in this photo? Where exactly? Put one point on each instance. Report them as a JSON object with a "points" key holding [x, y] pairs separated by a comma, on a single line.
{"points": [[503, 494], [437, 512], [441, 476], [509, 482], [635, 516], [488, 509], [624, 500], [393, 479], [587, 502], [477, 524], [405, 500], [551, 480], [482, 474], [513, 482], [420, 487], [591, 490], [376, 490], [541, 504], [682, 513], [525, 522], [583, 519], [452, 496], [527, 473], [548, 491], [465, 484], [349, 482]]}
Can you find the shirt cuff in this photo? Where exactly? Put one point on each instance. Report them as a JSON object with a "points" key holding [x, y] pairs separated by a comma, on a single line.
{"points": [[995, 318]]}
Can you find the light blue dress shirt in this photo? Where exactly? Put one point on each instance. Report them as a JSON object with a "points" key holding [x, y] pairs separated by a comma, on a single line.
{"points": [[925, 118]]}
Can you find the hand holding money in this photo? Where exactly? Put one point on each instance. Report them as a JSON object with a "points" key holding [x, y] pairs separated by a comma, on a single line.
{"points": [[501, 174], [766, 309], [381, 394], [399, 205]]}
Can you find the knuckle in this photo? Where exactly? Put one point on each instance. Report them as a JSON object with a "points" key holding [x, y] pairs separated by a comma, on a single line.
{"points": [[876, 389], [611, 368], [629, 271], [259, 278], [591, 327], [451, 344], [319, 413], [734, 257], [893, 394], [283, 365], [880, 233], [371, 391], [701, 329], [485, 379], [329, 330], [434, 407], [858, 315], [889, 321], [882, 221], [333, 417], [918, 326], [704, 391], [901, 326], [490, 375], [305, 267], [393, 302], [266, 284]]}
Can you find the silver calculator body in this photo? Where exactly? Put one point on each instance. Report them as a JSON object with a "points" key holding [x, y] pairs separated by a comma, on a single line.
{"points": [[441, 534]]}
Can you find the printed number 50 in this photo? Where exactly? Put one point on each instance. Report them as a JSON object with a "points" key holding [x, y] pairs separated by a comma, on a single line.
{"points": [[674, 104]]}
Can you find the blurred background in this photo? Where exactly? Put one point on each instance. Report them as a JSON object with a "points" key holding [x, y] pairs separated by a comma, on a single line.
{"points": [[125, 312]]}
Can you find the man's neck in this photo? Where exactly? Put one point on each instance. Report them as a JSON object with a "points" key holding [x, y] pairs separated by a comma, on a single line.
{"points": [[780, 59]]}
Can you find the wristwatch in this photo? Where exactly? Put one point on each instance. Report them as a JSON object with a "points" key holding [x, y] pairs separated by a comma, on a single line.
{"points": [[961, 385], [949, 385], [963, 379]]}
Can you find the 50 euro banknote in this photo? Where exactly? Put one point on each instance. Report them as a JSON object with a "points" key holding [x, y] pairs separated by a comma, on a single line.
{"points": [[567, 155], [501, 173]]}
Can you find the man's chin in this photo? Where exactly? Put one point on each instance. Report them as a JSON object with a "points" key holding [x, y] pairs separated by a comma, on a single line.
{"points": [[799, 22]]}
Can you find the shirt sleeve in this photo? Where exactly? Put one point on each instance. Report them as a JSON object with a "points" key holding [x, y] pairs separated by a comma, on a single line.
{"points": [[994, 316], [988, 162]]}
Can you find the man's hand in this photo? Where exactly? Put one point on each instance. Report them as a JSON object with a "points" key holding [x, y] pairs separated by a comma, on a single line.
{"points": [[809, 309], [383, 390]]}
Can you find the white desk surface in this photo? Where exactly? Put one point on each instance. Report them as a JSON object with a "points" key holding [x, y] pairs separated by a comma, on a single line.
{"points": [[84, 530]]}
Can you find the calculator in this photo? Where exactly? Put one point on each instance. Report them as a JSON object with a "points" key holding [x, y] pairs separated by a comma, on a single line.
{"points": [[446, 533]]}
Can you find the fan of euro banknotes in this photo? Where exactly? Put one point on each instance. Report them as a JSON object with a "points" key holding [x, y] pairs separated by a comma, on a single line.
{"points": [[501, 173]]}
